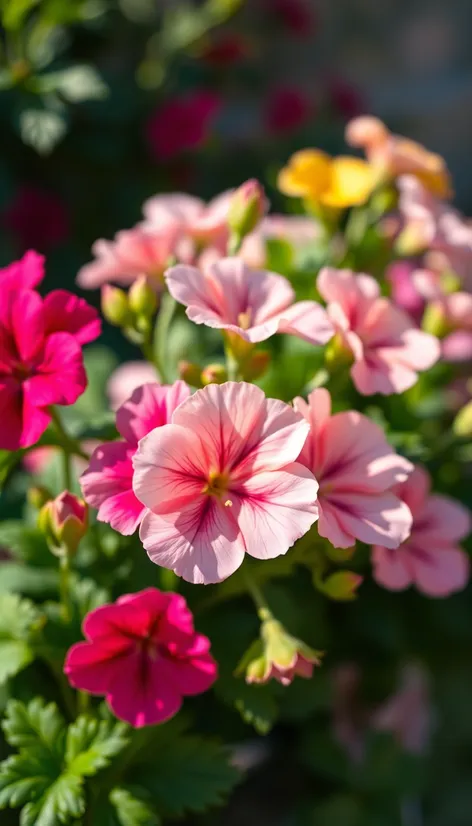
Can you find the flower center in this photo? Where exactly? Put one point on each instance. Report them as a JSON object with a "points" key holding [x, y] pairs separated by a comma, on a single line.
{"points": [[217, 485], [21, 371], [244, 320]]}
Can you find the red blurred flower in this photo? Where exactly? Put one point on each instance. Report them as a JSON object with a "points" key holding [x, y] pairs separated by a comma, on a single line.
{"points": [[345, 98], [287, 109], [37, 217], [182, 123], [294, 14], [226, 50]]}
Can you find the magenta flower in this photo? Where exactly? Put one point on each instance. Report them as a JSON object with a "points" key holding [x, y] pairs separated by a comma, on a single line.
{"points": [[143, 654], [221, 480], [253, 304], [388, 350], [107, 482], [132, 253], [355, 468], [40, 363], [37, 217], [24, 274], [182, 123], [430, 557]]}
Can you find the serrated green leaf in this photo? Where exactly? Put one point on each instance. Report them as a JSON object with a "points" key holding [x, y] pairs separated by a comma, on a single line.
{"points": [[190, 774], [37, 726], [255, 703], [131, 811], [90, 744], [42, 129], [20, 622], [14, 656]]}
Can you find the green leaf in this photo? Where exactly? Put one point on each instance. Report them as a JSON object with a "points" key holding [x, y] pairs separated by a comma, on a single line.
{"points": [[26, 542], [90, 744], [130, 811], [42, 129], [255, 703], [8, 460], [75, 84], [190, 774], [27, 580], [280, 256], [14, 11], [20, 621], [34, 726]]}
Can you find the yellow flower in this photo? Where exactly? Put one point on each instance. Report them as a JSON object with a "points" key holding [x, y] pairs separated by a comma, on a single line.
{"points": [[332, 182]]}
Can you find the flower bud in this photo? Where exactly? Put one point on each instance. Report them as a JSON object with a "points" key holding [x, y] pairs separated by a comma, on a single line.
{"points": [[191, 373], [64, 521], [410, 241], [341, 586], [462, 425], [248, 206], [337, 355], [277, 655], [142, 299], [434, 320], [37, 496], [115, 306], [214, 374], [256, 365]]}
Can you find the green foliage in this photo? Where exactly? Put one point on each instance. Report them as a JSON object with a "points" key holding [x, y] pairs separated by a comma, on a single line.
{"points": [[26, 543], [75, 84], [13, 12], [130, 810], [20, 622], [42, 129], [46, 776]]}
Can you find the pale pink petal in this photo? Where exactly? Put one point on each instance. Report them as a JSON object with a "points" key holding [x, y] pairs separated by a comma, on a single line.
{"points": [[415, 490], [377, 375], [344, 287], [443, 520], [276, 509], [421, 350], [440, 572], [202, 543], [107, 486], [170, 469], [66, 312], [457, 346], [149, 406], [307, 320], [369, 518], [316, 412], [175, 208], [392, 568], [126, 378]]}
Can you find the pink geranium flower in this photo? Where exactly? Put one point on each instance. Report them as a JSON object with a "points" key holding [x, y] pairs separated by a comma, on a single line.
{"points": [[430, 557], [37, 217], [40, 365], [24, 274], [253, 304], [132, 253], [356, 469], [388, 350], [107, 482], [143, 654], [221, 481], [182, 123], [197, 221], [128, 377]]}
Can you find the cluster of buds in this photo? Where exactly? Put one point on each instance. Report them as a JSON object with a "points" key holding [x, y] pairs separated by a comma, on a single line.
{"points": [[132, 311], [253, 367]]}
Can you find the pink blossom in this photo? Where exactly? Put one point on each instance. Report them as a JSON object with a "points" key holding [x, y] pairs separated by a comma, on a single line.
{"points": [[132, 253], [287, 109], [221, 481], [298, 230], [126, 378], [355, 468], [439, 228], [197, 221], [107, 482], [252, 304], [37, 217], [407, 713], [38, 368], [430, 558], [388, 350], [182, 123], [456, 312], [24, 274], [143, 654], [405, 292]]}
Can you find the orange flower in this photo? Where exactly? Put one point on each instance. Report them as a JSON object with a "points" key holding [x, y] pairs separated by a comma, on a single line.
{"points": [[392, 155], [332, 182]]}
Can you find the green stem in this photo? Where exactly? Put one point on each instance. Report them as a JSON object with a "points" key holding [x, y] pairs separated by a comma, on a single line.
{"points": [[64, 586], [258, 597], [68, 443], [232, 366], [158, 354]]}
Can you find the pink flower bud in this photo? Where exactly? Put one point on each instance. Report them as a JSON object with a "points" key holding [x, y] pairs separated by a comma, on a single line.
{"points": [[214, 374], [247, 207], [64, 521], [278, 656]]}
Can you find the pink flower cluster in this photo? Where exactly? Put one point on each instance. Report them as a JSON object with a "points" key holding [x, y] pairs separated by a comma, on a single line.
{"points": [[41, 342]]}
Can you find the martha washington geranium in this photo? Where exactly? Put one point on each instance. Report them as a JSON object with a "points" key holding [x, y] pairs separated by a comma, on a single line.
{"points": [[221, 481]]}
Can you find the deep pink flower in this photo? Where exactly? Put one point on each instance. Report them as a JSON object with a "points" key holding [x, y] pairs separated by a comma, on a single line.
{"points": [[252, 304], [132, 253], [182, 123], [196, 221], [126, 378], [107, 482], [143, 654], [430, 557], [355, 468], [287, 109], [24, 274], [37, 217], [405, 292], [388, 350], [38, 368], [437, 227], [222, 481], [66, 312]]}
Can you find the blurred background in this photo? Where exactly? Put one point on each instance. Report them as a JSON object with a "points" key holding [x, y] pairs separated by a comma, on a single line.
{"points": [[104, 103]]}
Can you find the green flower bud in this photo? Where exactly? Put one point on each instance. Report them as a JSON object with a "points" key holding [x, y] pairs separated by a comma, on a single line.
{"points": [[64, 521], [248, 206], [115, 306], [214, 374], [142, 299], [277, 655]]}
